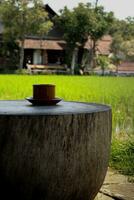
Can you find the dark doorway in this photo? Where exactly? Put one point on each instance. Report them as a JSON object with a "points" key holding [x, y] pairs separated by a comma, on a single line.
{"points": [[28, 57], [56, 57]]}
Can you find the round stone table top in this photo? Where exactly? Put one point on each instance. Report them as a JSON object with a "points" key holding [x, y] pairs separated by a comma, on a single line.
{"points": [[23, 107]]}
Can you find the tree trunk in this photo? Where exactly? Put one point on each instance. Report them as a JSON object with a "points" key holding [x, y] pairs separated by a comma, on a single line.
{"points": [[74, 58], [21, 54], [117, 66], [93, 55], [53, 153], [96, 3], [103, 71]]}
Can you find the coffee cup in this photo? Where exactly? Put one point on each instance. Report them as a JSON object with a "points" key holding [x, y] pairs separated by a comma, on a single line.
{"points": [[43, 91]]}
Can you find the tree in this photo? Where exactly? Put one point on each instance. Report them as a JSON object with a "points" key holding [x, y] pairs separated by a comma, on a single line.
{"points": [[100, 22], [124, 28], [128, 49], [22, 18], [80, 23], [96, 3], [75, 26], [103, 62], [9, 51], [123, 40]]}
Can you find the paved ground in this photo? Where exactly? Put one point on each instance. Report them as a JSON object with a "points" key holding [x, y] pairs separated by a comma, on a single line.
{"points": [[116, 186]]}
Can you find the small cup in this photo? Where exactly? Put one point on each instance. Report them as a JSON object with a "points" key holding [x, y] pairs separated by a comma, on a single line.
{"points": [[44, 91]]}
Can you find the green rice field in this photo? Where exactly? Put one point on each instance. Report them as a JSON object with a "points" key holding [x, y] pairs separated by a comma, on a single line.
{"points": [[118, 92]]}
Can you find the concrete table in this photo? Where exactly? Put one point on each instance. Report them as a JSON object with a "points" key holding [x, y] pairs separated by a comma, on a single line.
{"points": [[53, 152]]}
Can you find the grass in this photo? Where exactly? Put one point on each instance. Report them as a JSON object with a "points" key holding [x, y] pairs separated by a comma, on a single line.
{"points": [[122, 156], [115, 91]]}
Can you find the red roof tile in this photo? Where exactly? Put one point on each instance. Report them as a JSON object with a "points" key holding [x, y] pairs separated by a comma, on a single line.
{"points": [[44, 44], [103, 45]]}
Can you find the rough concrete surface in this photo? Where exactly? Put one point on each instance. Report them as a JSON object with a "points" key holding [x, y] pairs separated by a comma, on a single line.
{"points": [[116, 186]]}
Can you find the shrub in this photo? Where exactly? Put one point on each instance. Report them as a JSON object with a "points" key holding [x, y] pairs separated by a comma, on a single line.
{"points": [[122, 156], [21, 71]]}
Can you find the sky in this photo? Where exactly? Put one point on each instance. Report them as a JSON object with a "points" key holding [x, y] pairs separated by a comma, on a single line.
{"points": [[121, 8]]}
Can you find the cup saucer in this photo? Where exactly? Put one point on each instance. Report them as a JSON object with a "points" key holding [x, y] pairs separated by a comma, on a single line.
{"points": [[43, 102]]}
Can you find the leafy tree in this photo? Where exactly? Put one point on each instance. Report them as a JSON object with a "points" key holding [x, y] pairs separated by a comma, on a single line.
{"points": [[116, 60], [128, 49], [75, 26], [124, 28], [103, 62], [22, 18], [100, 23], [80, 23], [123, 40], [116, 43], [96, 3], [129, 28], [9, 51]]}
